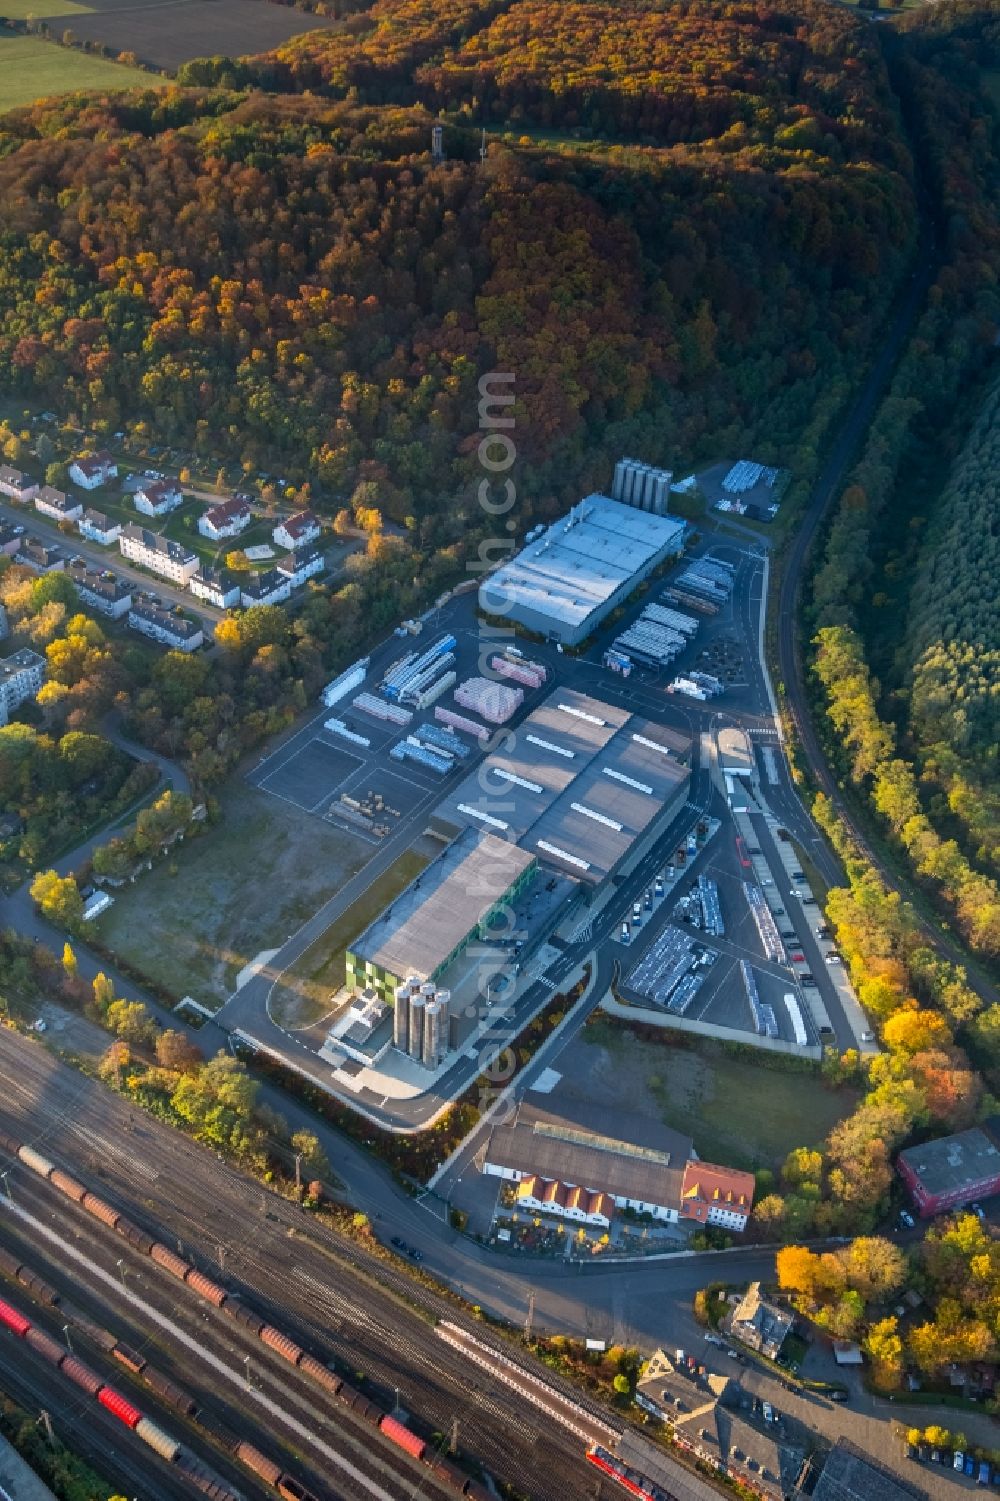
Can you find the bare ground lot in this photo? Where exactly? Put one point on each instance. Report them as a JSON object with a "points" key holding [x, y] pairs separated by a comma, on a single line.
{"points": [[245, 885], [735, 1110], [166, 33], [303, 997]]}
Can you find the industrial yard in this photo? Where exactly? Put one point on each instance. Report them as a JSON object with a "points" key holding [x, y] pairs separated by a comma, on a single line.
{"points": [[631, 773]]}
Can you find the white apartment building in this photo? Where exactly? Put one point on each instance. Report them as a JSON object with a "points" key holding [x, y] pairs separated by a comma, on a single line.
{"points": [[17, 485], [97, 527], [58, 505], [156, 497], [158, 554], [296, 531], [20, 679], [161, 625]]}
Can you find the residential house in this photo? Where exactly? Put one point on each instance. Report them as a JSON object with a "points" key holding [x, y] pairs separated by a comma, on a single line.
{"points": [[158, 554], [217, 586], [226, 520], [156, 497], [93, 471], [175, 631], [573, 1168], [713, 1418], [10, 538], [296, 531], [36, 554], [299, 566], [16, 484], [767, 1457], [58, 505], [267, 588], [716, 1195], [761, 1324], [21, 676], [97, 527], [102, 590]]}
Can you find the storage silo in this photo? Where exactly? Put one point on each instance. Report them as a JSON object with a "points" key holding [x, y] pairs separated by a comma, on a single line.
{"points": [[401, 1019], [661, 492], [418, 1005], [618, 483], [433, 1050], [443, 998]]}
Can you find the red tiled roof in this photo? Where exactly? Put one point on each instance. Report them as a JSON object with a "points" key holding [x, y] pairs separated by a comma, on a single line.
{"points": [[706, 1186], [227, 511], [296, 525]]}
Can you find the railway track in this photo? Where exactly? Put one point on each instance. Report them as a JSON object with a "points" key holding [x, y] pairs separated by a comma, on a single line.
{"points": [[360, 1307]]}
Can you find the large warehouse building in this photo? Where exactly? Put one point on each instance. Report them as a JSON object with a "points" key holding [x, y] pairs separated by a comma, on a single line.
{"points": [[581, 785], [563, 584], [439, 914]]}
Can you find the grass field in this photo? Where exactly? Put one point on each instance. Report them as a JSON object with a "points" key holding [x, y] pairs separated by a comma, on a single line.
{"points": [[167, 33], [735, 1110], [31, 68], [304, 995], [44, 10], [244, 886]]}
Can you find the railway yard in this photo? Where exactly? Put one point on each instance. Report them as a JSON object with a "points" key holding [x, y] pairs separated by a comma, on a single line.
{"points": [[346, 1309]]}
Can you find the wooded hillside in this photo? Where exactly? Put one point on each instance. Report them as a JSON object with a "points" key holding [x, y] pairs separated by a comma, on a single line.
{"points": [[293, 283]]}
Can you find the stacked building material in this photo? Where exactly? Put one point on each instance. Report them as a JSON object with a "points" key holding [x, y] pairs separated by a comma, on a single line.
{"points": [[529, 674], [379, 709], [459, 722], [495, 702]]}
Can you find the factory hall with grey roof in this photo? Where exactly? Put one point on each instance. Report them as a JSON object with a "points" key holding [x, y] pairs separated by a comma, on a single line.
{"points": [[430, 923], [580, 784], [567, 581]]}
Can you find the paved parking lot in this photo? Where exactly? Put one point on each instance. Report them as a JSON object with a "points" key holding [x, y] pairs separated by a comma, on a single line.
{"points": [[311, 775], [721, 995]]}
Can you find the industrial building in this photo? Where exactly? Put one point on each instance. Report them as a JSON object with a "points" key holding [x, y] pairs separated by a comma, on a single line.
{"points": [[564, 583], [581, 785], [440, 913], [569, 1165], [953, 1170]]}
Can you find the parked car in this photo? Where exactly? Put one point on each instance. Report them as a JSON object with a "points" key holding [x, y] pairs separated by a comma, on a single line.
{"points": [[906, 1219], [970, 1465], [983, 1478], [958, 1463]]}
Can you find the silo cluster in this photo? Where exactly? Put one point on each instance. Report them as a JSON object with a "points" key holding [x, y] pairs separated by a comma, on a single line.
{"points": [[642, 486], [420, 1023]]}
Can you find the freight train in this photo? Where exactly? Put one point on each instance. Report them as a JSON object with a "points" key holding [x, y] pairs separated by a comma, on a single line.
{"points": [[244, 1314], [80, 1374]]}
